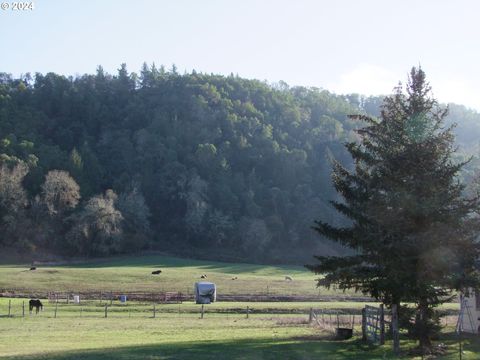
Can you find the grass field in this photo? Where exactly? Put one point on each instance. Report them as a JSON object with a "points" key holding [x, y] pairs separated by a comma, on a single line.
{"points": [[274, 330], [186, 336], [134, 274]]}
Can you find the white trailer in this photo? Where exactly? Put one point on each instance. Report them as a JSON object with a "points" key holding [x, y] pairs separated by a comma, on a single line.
{"points": [[205, 292]]}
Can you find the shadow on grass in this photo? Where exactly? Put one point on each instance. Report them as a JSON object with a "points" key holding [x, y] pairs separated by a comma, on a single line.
{"points": [[268, 349], [301, 348], [162, 262], [158, 261]]}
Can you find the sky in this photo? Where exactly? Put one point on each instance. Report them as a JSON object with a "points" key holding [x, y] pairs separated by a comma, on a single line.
{"points": [[344, 46]]}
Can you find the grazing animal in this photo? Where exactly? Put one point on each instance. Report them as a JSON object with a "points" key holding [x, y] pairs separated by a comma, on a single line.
{"points": [[33, 268], [288, 278], [234, 278], [204, 276], [156, 272], [35, 303]]}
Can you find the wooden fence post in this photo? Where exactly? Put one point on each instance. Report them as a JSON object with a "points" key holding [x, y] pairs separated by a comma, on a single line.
{"points": [[106, 310], [364, 324], [154, 311], [201, 317], [9, 308], [247, 312], [23, 308], [396, 339], [338, 321], [310, 317], [382, 324], [56, 306]]}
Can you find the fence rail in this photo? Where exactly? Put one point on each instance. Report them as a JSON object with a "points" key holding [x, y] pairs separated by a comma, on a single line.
{"points": [[374, 324], [332, 319], [162, 295], [20, 308]]}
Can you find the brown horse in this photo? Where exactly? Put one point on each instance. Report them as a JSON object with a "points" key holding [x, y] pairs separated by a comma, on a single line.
{"points": [[35, 303]]}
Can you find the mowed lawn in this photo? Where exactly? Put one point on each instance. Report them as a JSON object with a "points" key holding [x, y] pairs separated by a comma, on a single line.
{"points": [[186, 336], [134, 274]]}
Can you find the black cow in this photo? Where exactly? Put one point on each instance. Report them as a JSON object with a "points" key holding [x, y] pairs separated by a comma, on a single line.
{"points": [[156, 272], [35, 303]]}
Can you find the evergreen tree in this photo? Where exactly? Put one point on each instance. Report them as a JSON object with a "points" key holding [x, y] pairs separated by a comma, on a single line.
{"points": [[135, 224], [411, 231], [145, 76]]}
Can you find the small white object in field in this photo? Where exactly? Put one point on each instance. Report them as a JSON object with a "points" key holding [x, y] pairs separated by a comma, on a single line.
{"points": [[234, 278], [288, 278]]}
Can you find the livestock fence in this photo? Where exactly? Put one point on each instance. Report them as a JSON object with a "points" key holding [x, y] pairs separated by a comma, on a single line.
{"points": [[58, 307], [162, 295], [109, 296], [373, 324], [330, 319]]}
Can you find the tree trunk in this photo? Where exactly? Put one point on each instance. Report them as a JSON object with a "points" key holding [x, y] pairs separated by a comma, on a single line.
{"points": [[423, 327], [395, 330]]}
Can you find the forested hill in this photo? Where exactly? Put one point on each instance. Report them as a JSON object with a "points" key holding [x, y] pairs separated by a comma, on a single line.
{"points": [[193, 164]]}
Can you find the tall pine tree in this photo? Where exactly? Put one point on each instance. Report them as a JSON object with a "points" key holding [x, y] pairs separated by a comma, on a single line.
{"points": [[411, 231]]}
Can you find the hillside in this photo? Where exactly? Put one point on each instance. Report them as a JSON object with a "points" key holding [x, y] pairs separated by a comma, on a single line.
{"points": [[195, 164]]}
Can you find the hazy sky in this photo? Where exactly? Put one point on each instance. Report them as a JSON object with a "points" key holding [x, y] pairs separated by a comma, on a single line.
{"points": [[341, 45]]}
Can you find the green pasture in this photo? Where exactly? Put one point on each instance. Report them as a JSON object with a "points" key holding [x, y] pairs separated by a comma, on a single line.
{"points": [[273, 330], [186, 336], [134, 274]]}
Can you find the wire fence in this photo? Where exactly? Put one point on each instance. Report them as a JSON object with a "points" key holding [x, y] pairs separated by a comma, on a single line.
{"points": [[326, 319], [107, 308], [260, 295]]}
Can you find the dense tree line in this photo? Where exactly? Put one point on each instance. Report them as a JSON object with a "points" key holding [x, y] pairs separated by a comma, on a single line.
{"points": [[189, 163]]}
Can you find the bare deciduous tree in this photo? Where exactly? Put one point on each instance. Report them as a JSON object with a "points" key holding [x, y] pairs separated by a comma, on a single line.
{"points": [[12, 195], [60, 192], [98, 227]]}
